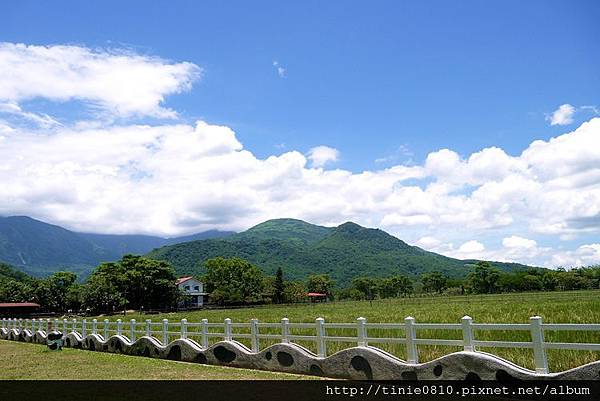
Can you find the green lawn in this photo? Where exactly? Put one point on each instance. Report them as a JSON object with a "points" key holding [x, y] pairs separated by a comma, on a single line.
{"points": [[35, 361], [554, 307]]}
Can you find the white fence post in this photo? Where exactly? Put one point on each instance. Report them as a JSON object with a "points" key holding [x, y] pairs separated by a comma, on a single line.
{"points": [[361, 331], [227, 331], [254, 335], [47, 326], [83, 328], [21, 324], [321, 345], [148, 327], [94, 326], [539, 352], [183, 328], [204, 330], [467, 329], [165, 332], [285, 330], [55, 328], [412, 355], [65, 328], [119, 327], [74, 324], [132, 325], [106, 328]]}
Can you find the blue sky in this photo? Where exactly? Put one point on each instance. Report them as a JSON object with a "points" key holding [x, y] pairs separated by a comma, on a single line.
{"points": [[317, 92], [365, 79]]}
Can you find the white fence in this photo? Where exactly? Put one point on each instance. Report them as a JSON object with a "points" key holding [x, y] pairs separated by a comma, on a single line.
{"points": [[164, 331]]}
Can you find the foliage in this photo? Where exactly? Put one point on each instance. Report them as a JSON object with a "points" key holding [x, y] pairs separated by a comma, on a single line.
{"points": [[294, 291], [434, 282], [278, 287], [483, 279], [343, 252], [320, 283], [232, 281], [132, 282]]}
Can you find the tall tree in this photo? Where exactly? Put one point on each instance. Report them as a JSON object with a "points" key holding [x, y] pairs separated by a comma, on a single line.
{"points": [[483, 279], [278, 287], [233, 280], [320, 283], [132, 282], [434, 282]]}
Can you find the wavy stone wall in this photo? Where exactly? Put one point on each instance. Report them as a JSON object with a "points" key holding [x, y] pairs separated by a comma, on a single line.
{"points": [[358, 363]]}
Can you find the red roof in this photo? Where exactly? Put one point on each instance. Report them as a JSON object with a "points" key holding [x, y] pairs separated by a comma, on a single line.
{"points": [[183, 279], [19, 305], [316, 294]]}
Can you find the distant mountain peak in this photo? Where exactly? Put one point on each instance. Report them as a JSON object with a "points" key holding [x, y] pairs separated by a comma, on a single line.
{"points": [[350, 226]]}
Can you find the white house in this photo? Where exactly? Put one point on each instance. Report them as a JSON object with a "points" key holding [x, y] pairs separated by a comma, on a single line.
{"points": [[195, 290]]}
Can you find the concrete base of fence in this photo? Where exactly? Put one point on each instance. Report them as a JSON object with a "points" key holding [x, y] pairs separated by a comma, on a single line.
{"points": [[358, 363]]}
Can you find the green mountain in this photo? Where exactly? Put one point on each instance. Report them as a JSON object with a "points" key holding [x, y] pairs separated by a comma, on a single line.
{"points": [[40, 248], [300, 248], [7, 273]]}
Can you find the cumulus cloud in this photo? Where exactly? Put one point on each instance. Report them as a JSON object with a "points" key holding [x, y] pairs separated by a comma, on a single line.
{"points": [[321, 155], [178, 178], [174, 178], [115, 81], [562, 116]]}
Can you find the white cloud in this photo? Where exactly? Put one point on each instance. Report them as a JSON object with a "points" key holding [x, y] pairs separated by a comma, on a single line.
{"points": [[471, 247], [321, 155], [175, 179], [282, 72], [428, 242], [43, 120], [179, 178], [117, 82], [518, 242], [562, 116]]}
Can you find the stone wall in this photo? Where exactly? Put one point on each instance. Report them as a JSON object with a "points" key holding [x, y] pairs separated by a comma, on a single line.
{"points": [[358, 363]]}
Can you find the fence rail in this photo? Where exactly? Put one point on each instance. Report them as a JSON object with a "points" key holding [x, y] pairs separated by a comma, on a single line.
{"points": [[165, 331]]}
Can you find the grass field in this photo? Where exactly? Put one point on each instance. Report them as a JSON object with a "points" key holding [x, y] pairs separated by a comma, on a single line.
{"points": [[554, 307], [35, 361]]}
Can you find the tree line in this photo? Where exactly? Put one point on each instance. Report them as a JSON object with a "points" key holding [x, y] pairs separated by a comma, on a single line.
{"points": [[140, 283]]}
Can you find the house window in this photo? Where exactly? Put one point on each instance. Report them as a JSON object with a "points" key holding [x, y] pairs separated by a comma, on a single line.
{"points": [[187, 287], [196, 288]]}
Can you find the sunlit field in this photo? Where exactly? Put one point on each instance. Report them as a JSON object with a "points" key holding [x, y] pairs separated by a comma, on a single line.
{"points": [[553, 307], [36, 362]]}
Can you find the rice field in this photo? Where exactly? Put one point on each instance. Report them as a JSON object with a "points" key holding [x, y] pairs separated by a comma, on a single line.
{"points": [[553, 307]]}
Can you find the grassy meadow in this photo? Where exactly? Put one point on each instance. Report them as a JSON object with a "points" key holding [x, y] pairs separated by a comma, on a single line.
{"points": [[554, 307], [36, 362]]}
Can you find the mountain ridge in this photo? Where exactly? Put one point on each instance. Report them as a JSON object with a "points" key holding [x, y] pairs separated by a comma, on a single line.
{"points": [[300, 248], [40, 248], [346, 251]]}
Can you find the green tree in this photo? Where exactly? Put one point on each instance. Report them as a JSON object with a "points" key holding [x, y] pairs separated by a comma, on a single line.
{"points": [[434, 282], [402, 285], [53, 292], [320, 283], [15, 291], [101, 295], [233, 280], [367, 286], [483, 279], [278, 287], [133, 282], [295, 291]]}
